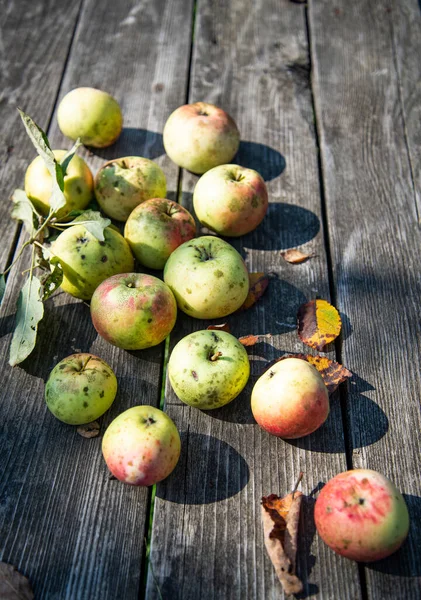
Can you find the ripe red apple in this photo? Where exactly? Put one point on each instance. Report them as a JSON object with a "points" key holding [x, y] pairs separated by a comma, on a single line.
{"points": [[133, 311], [290, 400], [200, 136], [156, 228], [141, 446], [360, 514], [231, 200]]}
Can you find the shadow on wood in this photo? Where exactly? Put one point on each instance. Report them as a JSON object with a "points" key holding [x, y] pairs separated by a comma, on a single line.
{"points": [[211, 470], [305, 559], [133, 142], [265, 160]]}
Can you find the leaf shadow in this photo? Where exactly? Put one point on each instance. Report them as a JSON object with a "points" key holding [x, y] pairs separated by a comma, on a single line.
{"points": [[265, 160], [305, 559]]}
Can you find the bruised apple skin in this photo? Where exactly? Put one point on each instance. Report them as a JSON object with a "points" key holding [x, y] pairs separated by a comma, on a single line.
{"points": [[87, 262], [361, 515], [290, 400], [141, 446], [80, 388], [91, 115], [156, 228], [208, 278], [200, 136], [207, 369], [123, 183], [230, 200], [78, 184], [133, 310]]}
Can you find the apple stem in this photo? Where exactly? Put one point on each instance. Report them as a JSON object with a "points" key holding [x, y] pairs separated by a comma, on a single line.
{"points": [[215, 356], [87, 360], [297, 483]]}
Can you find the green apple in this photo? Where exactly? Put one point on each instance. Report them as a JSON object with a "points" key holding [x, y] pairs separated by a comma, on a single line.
{"points": [[230, 200], [123, 183], [87, 262], [141, 446], [208, 278], [207, 369], [200, 136], [78, 184], [156, 228], [91, 115], [80, 389]]}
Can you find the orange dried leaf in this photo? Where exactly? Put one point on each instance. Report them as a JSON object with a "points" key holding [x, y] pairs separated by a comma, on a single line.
{"points": [[14, 585], [280, 527], [89, 430], [248, 340], [319, 323], [222, 327], [258, 283], [294, 256]]}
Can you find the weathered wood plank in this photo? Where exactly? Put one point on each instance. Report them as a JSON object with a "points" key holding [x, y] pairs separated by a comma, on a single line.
{"points": [[74, 532], [34, 41], [375, 241], [251, 58]]}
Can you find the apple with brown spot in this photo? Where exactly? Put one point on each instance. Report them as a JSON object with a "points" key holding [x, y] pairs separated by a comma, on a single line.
{"points": [[141, 446], [230, 200], [361, 515], [133, 310], [200, 136], [290, 400]]}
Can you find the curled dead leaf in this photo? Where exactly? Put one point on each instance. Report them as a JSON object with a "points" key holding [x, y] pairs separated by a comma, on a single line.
{"points": [[295, 257], [14, 585], [258, 283], [222, 327], [248, 340], [89, 430], [319, 323]]}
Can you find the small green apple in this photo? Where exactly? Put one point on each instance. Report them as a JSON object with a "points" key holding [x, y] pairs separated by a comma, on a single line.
{"points": [[207, 369], [86, 261], [80, 389], [208, 278], [123, 183], [78, 184], [91, 115]]}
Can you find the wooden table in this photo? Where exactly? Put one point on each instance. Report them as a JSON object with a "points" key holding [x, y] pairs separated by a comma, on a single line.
{"points": [[327, 97]]}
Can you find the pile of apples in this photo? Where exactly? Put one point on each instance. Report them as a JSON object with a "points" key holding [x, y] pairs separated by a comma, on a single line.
{"points": [[360, 514]]}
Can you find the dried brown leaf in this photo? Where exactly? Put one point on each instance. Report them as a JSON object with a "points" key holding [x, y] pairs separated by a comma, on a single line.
{"points": [[319, 323], [295, 257], [222, 327], [14, 585], [333, 373], [248, 340], [258, 283], [90, 430]]}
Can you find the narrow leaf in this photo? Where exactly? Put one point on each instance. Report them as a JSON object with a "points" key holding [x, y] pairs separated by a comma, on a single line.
{"points": [[295, 257], [29, 313], [94, 222], [258, 283], [319, 323], [248, 340], [51, 281], [69, 155], [23, 210], [222, 327], [2, 287], [14, 585]]}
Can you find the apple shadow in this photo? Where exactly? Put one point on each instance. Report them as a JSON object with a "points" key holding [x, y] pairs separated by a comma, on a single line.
{"points": [[211, 470], [406, 561], [133, 142], [305, 559], [265, 160]]}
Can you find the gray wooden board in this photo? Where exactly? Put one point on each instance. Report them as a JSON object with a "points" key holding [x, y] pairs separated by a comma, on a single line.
{"points": [[375, 241], [74, 532], [34, 41], [251, 58]]}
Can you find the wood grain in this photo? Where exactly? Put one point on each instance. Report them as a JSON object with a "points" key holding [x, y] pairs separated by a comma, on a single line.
{"points": [[251, 58], [64, 523], [363, 118]]}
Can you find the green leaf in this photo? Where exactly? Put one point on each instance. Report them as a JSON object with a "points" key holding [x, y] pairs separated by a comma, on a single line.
{"points": [[42, 146], [94, 222], [23, 210], [29, 313], [69, 155], [52, 281], [2, 287]]}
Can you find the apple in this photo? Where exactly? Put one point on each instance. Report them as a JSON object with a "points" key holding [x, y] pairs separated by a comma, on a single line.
{"points": [[361, 514], [80, 388], [230, 200], [200, 136], [123, 183], [78, 184], [133, 311], [207, 369], [86, 261], [91, 115], [156, 228], [290, 400], [208, 278], [141, 446]]}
